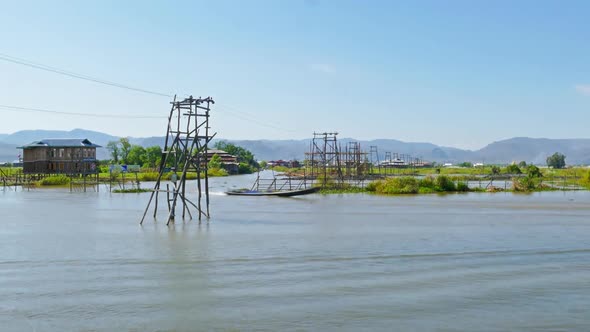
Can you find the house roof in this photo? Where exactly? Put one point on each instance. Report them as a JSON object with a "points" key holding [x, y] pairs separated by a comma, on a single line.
{"points": [[216, 151], [61, 143]]}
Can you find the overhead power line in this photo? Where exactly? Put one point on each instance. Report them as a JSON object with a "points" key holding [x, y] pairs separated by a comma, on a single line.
{"points": [[96, 115], [120, 116], [246, 117], [31, 64], [20, 61]]}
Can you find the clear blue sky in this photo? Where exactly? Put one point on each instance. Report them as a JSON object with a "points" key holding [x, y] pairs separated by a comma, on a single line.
{"points": [[455, 73]]}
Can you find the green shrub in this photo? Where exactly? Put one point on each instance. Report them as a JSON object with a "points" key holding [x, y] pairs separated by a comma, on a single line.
{"points": [[585, 180], [533, 172], [191, 175], [148, 176], [103, 169], [217, 172], [428, 182], [444, 183], [215, 161], [410, 185], [347, 189], [526, 183], [372, 186], [401, 185], [462, 186], [245, 168], [153, 176], [54, 180], [495, 170], [513, 169], [427, 190]]}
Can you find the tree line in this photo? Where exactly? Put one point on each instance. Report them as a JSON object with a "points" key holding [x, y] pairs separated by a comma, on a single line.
{"points": [[556, 160], [123, 152]]}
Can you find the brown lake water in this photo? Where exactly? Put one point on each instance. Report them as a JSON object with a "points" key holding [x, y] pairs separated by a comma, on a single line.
{"points": [[464, 262]]}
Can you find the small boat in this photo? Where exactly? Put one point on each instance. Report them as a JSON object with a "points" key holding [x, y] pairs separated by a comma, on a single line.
{"points": [[279, 193], [285, 187]]}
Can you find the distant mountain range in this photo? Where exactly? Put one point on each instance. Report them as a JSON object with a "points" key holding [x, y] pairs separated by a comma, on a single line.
{"points": [[535, 150]]}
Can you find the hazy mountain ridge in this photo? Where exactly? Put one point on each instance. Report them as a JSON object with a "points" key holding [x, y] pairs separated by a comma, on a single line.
{"points": [[8, 152], [534, 150], [28, 136]]}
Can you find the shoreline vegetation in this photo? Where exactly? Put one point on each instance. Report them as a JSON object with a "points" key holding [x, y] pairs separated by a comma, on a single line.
{"points": [[412, 185], [466, 177], [439, 185], [456, 180], [55, 180], [393, 181], [131, 190], [143, 160]]}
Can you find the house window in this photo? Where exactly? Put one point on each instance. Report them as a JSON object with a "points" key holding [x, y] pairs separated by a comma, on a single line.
{"points": [[61, 153]]}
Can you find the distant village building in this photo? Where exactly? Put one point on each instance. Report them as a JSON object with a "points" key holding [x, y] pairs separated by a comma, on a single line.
{"points": [[228, 162], [60, 156], [284, 163], [423, 164], [395, 162]]}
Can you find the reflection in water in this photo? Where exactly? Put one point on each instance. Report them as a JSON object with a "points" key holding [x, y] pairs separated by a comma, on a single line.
{"points": [[453, 262]]}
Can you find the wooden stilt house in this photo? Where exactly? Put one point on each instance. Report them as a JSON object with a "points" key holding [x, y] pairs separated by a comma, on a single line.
{"points": [[60, 156]]}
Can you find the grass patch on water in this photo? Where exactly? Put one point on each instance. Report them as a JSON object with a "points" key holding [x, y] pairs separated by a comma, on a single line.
{"points": [[344, 190], [411, 185], [54, 180], [8, 171], [153, 176], [131, 190]]}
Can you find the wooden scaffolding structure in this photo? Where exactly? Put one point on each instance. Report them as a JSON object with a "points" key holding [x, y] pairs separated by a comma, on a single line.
{"points": [[185, 150], [324, 158]]}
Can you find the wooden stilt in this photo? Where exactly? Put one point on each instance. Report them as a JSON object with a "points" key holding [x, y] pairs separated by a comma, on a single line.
{"points": [[185, 150]]}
